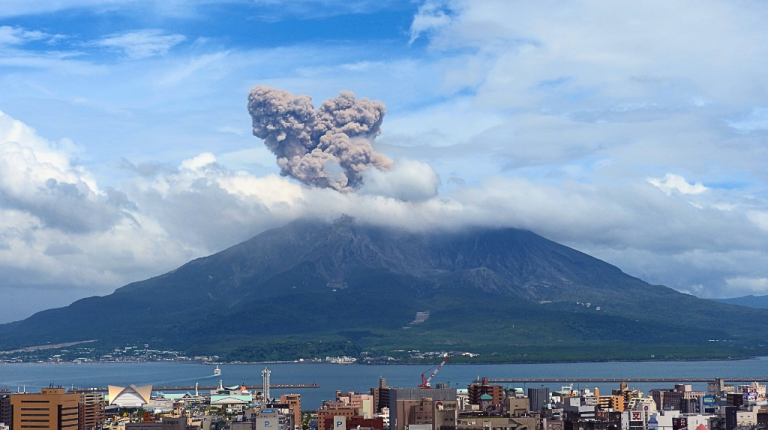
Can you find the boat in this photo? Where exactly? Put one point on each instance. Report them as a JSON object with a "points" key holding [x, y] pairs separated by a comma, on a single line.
{"points": [[216, 371]]}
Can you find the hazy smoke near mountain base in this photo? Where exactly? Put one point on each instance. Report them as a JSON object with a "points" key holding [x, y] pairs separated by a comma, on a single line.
{"points": [[329, 147]]}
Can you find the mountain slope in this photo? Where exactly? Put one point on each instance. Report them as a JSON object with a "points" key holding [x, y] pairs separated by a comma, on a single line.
{"points": [[493, 290]]}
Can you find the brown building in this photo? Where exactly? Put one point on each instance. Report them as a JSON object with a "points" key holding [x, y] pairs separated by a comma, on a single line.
{"points": [[614, 402], [91, 411], [439, 413], [294, 403], [517, 407], [52, 409], [477, 390], [323, 413], [421, 413], [627, 394], [380, 396]]}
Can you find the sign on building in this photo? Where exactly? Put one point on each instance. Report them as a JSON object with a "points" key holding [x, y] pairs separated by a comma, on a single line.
{"points": [[750, 397], [679, 423], [339, 422], [267, 423]]}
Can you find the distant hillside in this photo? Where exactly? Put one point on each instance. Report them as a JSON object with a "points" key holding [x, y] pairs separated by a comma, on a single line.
{"points": [[758, 302], [312, 288]]}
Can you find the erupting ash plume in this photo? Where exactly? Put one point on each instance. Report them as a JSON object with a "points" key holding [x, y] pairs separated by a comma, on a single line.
{"points": [[329, 147]]}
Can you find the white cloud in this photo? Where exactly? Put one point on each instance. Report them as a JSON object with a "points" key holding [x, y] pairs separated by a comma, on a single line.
{"points": [[432, 15], [16, 36], [15, 51], [760, 218], [57, 227], [600, 55], [741, 284], [199, 162], [410, 180], [141, 43], [672, 183]]}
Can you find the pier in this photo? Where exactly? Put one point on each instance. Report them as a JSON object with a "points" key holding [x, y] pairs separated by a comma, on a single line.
{"points": [[202, 387]]}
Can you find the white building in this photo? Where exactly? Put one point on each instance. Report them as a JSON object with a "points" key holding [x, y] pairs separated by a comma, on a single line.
{"points": [[130, 396]]}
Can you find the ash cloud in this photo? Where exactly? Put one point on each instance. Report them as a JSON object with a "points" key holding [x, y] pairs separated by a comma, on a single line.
{"points": [[328, 147]]}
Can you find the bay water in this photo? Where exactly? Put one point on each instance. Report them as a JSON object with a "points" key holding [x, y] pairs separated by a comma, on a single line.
{"points": [[360, 378]]}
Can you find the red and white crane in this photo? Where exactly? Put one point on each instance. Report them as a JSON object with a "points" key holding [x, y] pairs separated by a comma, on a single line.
{"points": [[425, 381]]}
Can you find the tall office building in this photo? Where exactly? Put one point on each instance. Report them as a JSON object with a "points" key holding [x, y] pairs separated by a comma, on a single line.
{"points": [[380, 396], [91, 411], [538, 397], [6, 412], [51, 409]]}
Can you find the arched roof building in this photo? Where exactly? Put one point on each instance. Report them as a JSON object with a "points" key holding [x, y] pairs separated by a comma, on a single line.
{"points": [[130, 396]]}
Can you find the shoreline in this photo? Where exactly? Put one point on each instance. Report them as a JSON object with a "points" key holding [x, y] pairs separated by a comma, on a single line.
{"points": [[480, 363]]}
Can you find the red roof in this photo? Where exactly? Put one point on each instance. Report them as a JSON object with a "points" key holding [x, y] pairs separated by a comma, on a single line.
{"points": [[702, 427]]}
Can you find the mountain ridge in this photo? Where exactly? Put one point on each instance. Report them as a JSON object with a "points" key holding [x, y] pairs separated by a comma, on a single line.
{"points": [[300, 281], [750, 301]]}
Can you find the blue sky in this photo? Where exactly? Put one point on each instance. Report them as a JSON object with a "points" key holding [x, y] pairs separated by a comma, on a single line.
{"points": [[635, 132]]}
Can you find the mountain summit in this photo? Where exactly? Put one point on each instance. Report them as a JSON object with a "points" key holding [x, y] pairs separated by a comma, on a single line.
{"points": [[506, 294]]}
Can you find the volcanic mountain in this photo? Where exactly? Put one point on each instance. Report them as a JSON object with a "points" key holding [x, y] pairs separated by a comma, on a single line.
{"points": [[315, 288]]}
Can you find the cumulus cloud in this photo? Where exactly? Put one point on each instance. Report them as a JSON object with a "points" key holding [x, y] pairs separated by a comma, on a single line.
{"points": [[675, 183], [141, 43], [42, 181], [57, 227], [409, 181]]}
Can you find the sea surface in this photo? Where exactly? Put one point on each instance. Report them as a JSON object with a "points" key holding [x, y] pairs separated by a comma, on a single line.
{"points": [[360, 378]]}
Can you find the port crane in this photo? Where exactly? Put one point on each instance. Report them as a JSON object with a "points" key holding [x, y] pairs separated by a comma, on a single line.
{"points": [[425, 381]]}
